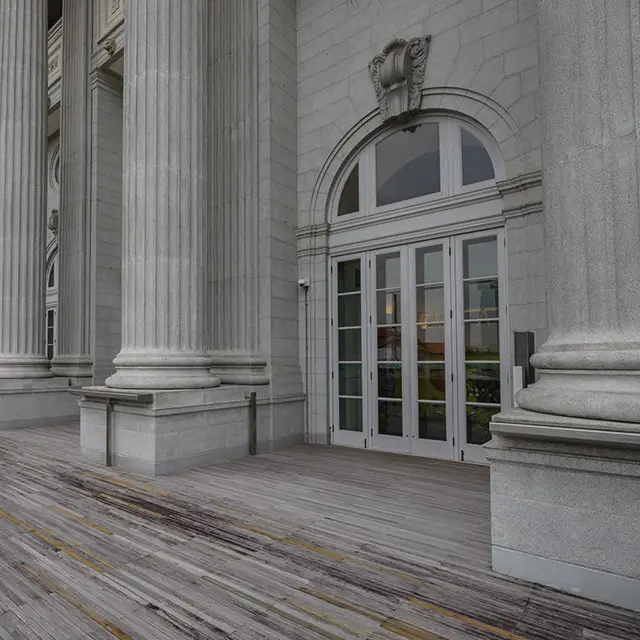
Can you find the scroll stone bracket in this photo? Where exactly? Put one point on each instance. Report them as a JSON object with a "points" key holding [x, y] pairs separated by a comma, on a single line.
{"points": [[398, 75]]}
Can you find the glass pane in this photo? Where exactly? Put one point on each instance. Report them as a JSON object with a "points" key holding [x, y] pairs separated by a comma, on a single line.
{"points": [[389, 307], [431, 342], [350, 414], [478, 419], [429, 266], [350, 379], [482, 341], [408, 164], [476, 163], [350, 196], [432, 421], [483, 383], [388, 271], [50, 352], [481, 299], [480, 257], [349, 310], [349, 345], [429, 304], [431, 382], [349, 276], [49, 335], [390, 418], [389, 344], [52, 276], [390, 380]]}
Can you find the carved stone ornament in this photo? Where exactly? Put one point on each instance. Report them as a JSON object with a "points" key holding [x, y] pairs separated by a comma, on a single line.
{"points": [[52, 222], [110, 46], [397, 74]]}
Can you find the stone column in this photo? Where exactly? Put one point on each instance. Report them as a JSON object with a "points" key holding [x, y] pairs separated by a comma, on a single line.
{"points": [[74, 357], [23, 136], [165, 205], [234, 182], [565, 467], [590, 90]]}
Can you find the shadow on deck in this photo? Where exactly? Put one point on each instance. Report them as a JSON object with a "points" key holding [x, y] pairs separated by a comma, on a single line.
{"points": [[309, 543]]}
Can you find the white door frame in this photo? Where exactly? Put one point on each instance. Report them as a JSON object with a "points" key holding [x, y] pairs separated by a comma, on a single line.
{"points": [[465, 451]]}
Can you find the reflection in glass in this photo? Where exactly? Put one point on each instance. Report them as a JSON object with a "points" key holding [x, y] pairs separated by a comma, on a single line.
{"points": [[390, 418], [476, 163], [350, 414], [349, 276], [478, 419], [350, 379], [390, 380], [431, 382], [429, 265], [349, 310], [483, 383], [482, 341], [389, 307], [429, 304], [389, 344], [349, 345], [480, 257], [481, 299], [350, 196], [408, 164], [388, 271], [432, 421], [431, 342]]}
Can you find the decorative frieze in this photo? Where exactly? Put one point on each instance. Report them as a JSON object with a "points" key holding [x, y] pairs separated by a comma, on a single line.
{"points": [[398, 74]]}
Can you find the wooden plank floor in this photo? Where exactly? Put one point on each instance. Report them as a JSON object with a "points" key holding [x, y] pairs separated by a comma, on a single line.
{"points": [[310, 543]]}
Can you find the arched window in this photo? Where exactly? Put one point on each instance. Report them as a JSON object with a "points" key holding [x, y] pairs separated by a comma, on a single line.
{"points": [[432, 159], [51, 281]]}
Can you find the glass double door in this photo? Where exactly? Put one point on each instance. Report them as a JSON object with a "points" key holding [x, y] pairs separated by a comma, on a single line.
{"points": [[419, 347]]}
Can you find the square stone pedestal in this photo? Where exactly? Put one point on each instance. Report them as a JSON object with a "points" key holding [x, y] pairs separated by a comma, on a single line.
{"points": [[36, 403], [177, 430], [565, 504]]}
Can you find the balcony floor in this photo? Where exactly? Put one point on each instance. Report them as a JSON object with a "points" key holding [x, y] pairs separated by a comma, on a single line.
{"points": [[309, 543]]}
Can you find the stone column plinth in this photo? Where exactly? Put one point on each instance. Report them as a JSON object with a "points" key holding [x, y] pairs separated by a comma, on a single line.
{"points": [[234, 197], [74, 357], [23, 135], [165, 205], [565, 474]]}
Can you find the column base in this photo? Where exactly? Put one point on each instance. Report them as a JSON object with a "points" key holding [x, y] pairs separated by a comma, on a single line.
{"points": [[564, 507], [75, 367], [24, 367], [158, 371], [183, 429], [36, 403], [240, 368]]}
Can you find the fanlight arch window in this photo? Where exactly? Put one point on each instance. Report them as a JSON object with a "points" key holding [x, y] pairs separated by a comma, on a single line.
{"points": [[433, 159]]}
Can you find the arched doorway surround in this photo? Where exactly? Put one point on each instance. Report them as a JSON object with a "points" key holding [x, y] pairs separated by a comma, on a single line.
{"points": [[491, 124]]}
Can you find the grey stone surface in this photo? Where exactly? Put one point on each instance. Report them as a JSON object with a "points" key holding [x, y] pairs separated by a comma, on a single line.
{"points": [[165, 205], [589, 365], [74, 358], [23, 217], [570, 509], [188, 428]]}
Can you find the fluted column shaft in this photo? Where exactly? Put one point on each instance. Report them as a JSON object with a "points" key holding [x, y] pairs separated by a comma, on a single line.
{"points": [[590, 91], [164, 312], [235, 183], [74, 332], [23, 135]]}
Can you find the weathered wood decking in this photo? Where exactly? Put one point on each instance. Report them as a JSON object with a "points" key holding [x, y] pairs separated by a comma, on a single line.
{"points": [[311, 543]]}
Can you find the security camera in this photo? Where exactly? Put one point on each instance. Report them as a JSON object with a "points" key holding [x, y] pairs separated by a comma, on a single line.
{"points": [[303, 284]]}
